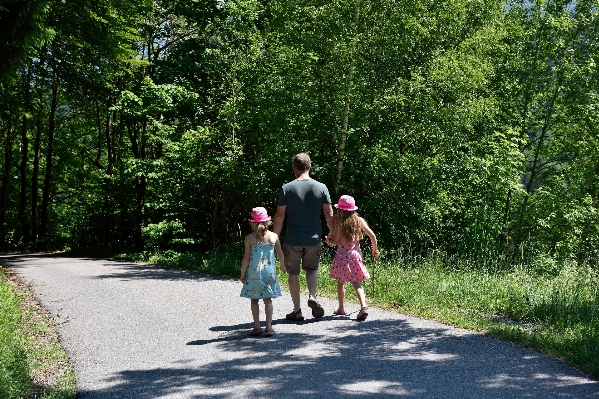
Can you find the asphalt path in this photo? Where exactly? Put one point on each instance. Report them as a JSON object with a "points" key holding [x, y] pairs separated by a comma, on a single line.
{"points": [[141, 331]]}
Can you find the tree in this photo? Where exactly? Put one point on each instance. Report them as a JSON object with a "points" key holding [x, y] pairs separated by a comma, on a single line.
{"points": [[558, 80], [22, 28]]}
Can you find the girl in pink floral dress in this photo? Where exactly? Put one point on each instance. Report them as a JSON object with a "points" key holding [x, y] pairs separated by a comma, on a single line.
{"points": [[348, 264]]}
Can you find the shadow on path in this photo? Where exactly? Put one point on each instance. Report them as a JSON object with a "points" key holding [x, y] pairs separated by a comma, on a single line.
{"points": [[386, 358], [117, 269]]}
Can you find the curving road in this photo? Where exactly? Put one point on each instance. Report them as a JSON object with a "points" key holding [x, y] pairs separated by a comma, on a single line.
{"points": [[140, 331]]}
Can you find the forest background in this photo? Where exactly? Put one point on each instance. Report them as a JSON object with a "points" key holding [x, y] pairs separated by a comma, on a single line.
{"points": [[463, 126]]}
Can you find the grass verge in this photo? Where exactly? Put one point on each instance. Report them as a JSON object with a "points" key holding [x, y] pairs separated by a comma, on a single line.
{"points": [[548, 307], [33, 363]]}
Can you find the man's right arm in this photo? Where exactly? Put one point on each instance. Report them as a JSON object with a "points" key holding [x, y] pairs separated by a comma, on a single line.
{"points": [[279, 218]]}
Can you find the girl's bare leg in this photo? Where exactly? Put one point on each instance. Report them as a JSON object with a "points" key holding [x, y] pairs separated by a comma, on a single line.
{"points": [[256, 313], [341, 294], [360, 292], [268, 310]]}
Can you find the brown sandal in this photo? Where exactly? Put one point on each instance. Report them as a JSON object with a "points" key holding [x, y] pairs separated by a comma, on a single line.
{"points": [[269, 332], [256, 331], [363, 314], [317, 310], [293, 316]]}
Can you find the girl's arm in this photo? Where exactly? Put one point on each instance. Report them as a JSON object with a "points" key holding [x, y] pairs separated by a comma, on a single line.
{"points": [[246, 259], [366, 229], [279, 252]]}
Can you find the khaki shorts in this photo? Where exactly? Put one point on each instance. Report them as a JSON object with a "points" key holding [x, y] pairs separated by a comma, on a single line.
{"points": [[309, 257]]}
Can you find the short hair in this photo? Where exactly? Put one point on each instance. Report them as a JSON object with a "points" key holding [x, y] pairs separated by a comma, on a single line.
{"points": [[301, 162]]}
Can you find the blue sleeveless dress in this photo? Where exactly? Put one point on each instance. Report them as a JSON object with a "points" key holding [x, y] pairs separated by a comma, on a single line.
{"points": [[261, 276]]}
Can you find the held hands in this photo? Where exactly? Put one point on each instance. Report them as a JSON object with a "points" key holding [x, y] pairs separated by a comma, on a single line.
{"points": [[329, 240]]}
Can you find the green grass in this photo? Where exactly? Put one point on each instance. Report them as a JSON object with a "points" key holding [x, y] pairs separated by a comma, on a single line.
{"points": [[30, 350], [549, 307], [554, 313], [14, 381]]}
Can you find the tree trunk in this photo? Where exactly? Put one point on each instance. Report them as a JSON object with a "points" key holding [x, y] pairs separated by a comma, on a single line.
{"points": [[99, 123], [503, 236], [4, 187], [106, 225], [534, 170], [22, 213], [215, 218], [345, 127], [141, 184], [109, 142], [35, 177], [49, 154]]}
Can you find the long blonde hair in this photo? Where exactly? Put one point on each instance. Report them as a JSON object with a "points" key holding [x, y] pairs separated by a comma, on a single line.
{"points": [[260, 229], [349, 224]]}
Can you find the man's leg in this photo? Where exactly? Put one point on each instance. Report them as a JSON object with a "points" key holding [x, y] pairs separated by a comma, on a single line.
{"points": [[310, 263], [311, 282], [292, 263]]}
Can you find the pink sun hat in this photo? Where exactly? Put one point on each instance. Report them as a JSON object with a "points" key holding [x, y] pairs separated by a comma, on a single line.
{"points": [[259, 215], [346, 203]]}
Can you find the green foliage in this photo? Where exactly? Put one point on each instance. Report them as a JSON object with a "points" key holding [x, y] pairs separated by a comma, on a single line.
{"points": [[23, 27], [161, 234], [557, 203], [463, 126]]}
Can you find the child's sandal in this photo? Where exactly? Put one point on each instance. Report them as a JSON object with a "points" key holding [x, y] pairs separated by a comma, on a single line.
{"points": [[256, 331], [363, 314], [269, 332]]}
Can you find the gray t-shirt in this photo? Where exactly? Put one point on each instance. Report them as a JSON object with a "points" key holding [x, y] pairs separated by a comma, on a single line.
{"points": [[304, 200]]}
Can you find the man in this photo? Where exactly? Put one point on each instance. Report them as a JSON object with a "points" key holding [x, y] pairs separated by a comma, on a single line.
{"points": [[301, 201]]}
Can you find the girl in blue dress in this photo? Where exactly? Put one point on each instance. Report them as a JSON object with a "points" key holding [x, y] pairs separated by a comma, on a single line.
{"points": [[258, 269]]}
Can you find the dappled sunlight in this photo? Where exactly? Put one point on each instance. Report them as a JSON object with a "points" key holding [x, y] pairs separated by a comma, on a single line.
{"points": [[503, 381], [393, 358], [318, 349], [373, 387]]}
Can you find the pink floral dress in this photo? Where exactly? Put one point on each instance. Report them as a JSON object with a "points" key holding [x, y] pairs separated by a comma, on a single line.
{"points": [[348, 264]]}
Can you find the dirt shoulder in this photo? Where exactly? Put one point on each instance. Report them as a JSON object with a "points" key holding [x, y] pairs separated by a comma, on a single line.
{"points": [[50, 368]]}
